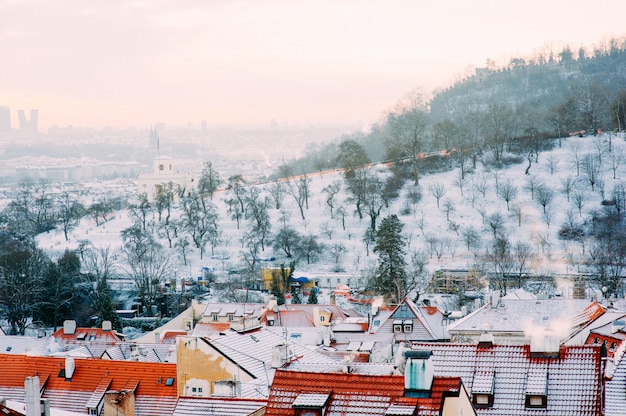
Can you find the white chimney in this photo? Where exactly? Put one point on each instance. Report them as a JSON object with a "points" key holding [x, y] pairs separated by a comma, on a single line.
{"points": [[157, 337], [69, 327], [70, 366], [32, 396], [106, 325], [280, 355]]}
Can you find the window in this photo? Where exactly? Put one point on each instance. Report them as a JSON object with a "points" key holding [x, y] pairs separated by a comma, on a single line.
{"points": [[407, 326], [536, 401], [215, 317], [169, 381], [93, 411], [193, 389], [161, 167], [199, 389], [230, 316], [397, 326], [483, 400]]}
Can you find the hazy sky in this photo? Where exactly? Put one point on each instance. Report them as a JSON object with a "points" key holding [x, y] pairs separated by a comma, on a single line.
{"points": [[123, 63]]}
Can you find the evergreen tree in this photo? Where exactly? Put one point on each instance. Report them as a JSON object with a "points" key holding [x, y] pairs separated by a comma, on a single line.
{"points": [[295, 295], [106, 311], [390, 279], [276, 288], [312, 296]]}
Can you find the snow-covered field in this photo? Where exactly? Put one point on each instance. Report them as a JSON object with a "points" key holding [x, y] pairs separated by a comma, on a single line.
{"points": [[436, 231]]}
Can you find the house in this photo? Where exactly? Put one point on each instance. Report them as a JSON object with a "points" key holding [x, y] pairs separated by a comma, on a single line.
{"points": [[238, 364], [329, 393], [87, 342], [514, 321], [92, 386], [612, 334], [541, 378]]}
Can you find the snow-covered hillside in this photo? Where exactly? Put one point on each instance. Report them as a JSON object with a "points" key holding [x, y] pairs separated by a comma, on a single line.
{"points": [[436, 228]]}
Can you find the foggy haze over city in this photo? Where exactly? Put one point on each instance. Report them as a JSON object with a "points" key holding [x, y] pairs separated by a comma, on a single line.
{"points": [[136, 63]]}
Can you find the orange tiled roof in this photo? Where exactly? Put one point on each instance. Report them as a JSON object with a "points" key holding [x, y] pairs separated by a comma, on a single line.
{"points": [[87, 335], [352, 393], [150, 378]]}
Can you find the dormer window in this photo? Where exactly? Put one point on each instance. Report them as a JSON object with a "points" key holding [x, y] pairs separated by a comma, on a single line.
{"points": [[407, 326], [310, 404], [230, 316], [397, 326], [537, 388], [215, 317], [537, 401], [482, 389]]}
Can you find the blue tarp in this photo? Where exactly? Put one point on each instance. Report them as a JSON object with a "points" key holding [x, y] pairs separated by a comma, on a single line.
{"points": [[301, 279]]}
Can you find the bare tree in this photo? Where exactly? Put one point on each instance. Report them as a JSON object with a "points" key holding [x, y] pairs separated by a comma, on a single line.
{"points": [[437, 190], [199, 219], [591, 168], [299, 189], [544, 196], [507, 191], [523, 255], [502, 264], [579, 198], [471, 238], [408, 134], [69, 211], [481, 184], [532, 183], [567, 185], [145, 263], [496, 224], [209, 180], [336, 251], [257, 213], [518, 212], [331, 190], [553, 163], [277, 191], [617, 159], [576, 153]]}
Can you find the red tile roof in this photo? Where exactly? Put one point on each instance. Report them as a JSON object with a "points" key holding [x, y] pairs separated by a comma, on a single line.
{"points": [[352, 393], [90, 374], [87, 336]]}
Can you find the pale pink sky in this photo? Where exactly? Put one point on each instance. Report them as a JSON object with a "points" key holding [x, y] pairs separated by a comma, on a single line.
{"points": [[123, 63]]}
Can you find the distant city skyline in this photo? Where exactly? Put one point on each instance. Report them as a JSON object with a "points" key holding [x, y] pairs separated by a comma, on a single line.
{"points": [[133, 63]]}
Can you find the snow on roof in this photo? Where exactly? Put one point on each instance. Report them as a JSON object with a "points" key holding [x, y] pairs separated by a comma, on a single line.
{"points": [[517, 315], [192, 406], [573, 378], [151, 392]]}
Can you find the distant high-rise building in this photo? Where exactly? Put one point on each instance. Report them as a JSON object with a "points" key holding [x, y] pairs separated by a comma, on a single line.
{"points": [[5, 118], [28, 124]]}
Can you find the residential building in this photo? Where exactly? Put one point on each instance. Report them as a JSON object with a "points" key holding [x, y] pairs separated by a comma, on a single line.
{"points": [[514, 321], [302, 393], [93, 386], [542, 378], [238, 363]]}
